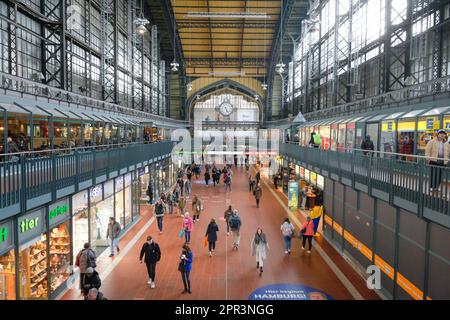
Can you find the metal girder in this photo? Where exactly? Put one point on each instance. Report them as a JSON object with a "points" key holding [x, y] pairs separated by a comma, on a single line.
{"points": [[154, 69], [109, 49], [53, 56], [12, 39], [226, 61], [137, 63], [224, 25]]}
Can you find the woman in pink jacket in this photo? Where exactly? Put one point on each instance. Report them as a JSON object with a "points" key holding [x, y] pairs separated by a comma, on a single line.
{"points": [[187, 226], [307, 232]]}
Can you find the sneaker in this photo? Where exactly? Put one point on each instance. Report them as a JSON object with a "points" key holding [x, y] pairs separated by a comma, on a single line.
{"points": [[118, 250], [111, 255], [285, 252], [149, 282], [184, 291], [210, 254], [189, 291], [160, 232], [152, 285], [309, 251], [303, 248]]}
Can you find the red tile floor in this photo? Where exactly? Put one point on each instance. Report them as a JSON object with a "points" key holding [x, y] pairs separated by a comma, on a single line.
{"points": [[229, 274]]}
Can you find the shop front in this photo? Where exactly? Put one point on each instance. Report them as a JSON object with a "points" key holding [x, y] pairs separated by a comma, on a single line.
{"points": [[100, 212], [7, 261], [80, 222]]}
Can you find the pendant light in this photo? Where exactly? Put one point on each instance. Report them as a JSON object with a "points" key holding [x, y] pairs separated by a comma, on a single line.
{"points": [[174, 64], [141, 22], [279, 68], [264, 85]]}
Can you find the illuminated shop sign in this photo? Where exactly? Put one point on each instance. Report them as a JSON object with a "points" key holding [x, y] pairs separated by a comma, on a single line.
{"points": [[30, 225], [58, 212], [6, 236]]}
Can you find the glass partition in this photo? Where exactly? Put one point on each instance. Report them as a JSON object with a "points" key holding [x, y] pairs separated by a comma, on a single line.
{"points": [[333, 136], [372, 131], [350, 137], [405, 135], [41, 134], [325, 134], [18, 130], [60, 131], [426, 129], [388, 132], [88, 133], [75, 137], [341, 137]]}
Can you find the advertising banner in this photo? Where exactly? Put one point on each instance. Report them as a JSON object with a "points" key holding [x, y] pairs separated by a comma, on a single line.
{"points": [[293, 194]]}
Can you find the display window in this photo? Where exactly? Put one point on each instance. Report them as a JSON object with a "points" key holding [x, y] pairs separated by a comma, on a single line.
{"points": [[320, 182], [120, 202], [144, 182], [341, 137], [7, 262], [313, 178], [80, 222], [426, 131], [128, 205], [59, 255], [372, 131], [350, 138], [60, 133], [325, 133], [333, 136], [302, 172], [307, 175], [100, 214], [405, 137], [446, 123], [307, 135], [388, 132]]}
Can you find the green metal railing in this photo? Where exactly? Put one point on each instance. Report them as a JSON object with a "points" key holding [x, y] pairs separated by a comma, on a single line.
{"points": [[412, 185], [29, 176]]}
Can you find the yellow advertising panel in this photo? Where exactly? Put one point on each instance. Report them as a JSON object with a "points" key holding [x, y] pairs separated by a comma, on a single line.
{"points": [[406, 126], [313, 177], [428, 124], [446, 124], [388, 126]]}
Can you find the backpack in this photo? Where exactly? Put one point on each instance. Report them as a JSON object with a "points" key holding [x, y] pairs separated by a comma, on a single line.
{"points": [[234, 222]]}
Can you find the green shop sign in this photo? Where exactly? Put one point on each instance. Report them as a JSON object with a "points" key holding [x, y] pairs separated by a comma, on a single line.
{"points": [[58, 212], [31, 225], [6, 236]]}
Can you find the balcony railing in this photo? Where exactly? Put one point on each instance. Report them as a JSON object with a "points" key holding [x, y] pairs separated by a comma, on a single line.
{"points": [[31, 179], [406, 184]]}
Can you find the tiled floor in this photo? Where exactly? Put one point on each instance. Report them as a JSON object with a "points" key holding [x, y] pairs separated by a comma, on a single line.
{"points": [[229, 274]]}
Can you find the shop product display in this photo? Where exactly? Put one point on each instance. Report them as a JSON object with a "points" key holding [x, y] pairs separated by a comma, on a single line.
{"points": [[59, 255], [33, 270], [80, 232], [7, 276]]}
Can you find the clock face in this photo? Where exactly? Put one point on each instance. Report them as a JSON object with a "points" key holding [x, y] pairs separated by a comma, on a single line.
{"points": [[226, 108]]}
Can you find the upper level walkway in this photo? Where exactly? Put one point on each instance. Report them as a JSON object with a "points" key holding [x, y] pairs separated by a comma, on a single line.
{"points": [[406, 184]]}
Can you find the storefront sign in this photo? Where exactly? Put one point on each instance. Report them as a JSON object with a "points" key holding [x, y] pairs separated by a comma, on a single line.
{"points": [[141, 171], [293, 194], [31, 225], [388, 126], [58, 212], [96, 193], [6, 236], [285, 291]]}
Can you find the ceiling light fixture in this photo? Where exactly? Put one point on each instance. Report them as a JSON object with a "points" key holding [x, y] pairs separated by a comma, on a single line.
{"points": [[141, 22], [228, 15], [227, 73], [174, 64]]}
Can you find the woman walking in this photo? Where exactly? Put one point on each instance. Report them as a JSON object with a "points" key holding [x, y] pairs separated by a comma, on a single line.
{"points": [[227, 215], [211, 233], [288, 231], [187, 227], [260, 247], [182, 205], [185, 267], [307, 232], [207, 177], [257, 193]]}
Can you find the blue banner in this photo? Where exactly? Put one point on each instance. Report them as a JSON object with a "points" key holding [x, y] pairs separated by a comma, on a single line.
{"points": [[286, 291]]}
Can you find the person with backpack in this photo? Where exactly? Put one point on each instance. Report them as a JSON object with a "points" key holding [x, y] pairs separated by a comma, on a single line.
{"points": [[170, 202], [207, 178], [258, 177], [288, 231], [211, 234], [152, 253], [85, 259], [187, 227], [113, 235], [187, 187], [235, 226], [197, 208], [91, 280], [185, 267], [257, 193], [182, 205], [228, 183], [159, 214], [307, 233], [150, 194], [260, 247], [227, 215]]}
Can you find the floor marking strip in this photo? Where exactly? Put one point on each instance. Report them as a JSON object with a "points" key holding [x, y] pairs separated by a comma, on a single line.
{"points": [[347, 284]]}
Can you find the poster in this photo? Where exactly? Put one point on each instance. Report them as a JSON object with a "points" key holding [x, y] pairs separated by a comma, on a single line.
{"points": [[293, 194]]}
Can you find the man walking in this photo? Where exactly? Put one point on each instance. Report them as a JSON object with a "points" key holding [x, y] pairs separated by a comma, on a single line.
{"points": [[113, 235], [197, 207], [257, 193], [159, 214], [152, 254], [85, 259], [258, 177], [437, 153], [235, 225]]}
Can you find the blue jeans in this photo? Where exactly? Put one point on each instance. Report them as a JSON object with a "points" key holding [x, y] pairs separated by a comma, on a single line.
{"points": [[160, 223], [113, 243], [287, 242], [187, 236]]}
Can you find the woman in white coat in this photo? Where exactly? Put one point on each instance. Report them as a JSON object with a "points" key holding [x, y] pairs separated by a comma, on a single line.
{"points": [[260, 247]]}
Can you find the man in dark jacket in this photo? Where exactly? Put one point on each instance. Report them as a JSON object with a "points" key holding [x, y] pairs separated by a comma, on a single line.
{"points": [[367, 144], [159, 214], [94, 294], [152, 255], [258, 177], [91, 280]]}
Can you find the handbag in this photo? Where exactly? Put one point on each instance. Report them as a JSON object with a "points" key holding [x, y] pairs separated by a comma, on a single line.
{"points": [[205, 241], [181, 234], [181, 266], [303, 231]]}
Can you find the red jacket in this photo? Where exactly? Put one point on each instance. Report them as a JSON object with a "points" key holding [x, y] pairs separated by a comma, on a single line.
{"points": [[309, 228]]}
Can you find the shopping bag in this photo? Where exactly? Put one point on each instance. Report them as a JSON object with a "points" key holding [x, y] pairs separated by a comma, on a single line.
{"points": [[205, 241], [181, 234]]}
